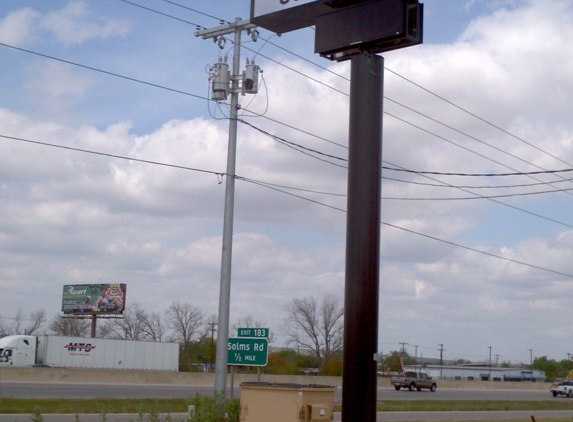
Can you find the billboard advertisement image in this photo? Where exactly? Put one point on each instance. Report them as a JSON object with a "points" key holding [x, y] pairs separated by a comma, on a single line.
{"points": [[93, 298]]}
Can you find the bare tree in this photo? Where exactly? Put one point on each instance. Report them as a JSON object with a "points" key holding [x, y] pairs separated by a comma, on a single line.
{"points": [[105, 330], [18, 326], [131, 326], [37, 321], [4, 330], [314, 327], [185, 320], [70, 326], [154, 326]]}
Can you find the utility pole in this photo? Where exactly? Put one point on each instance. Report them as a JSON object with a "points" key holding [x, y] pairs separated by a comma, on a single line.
{"points": [[403, 349], [416, 358], [441, 358], [212, 324], [531, 363], [497, 360], [235, 28], [489, 376]]}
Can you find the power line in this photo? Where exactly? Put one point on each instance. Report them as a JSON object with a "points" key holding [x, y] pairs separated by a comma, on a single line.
{"points": [[195, 11], [284, 141], [423, 234], [509, 195], [161, 13], [262, 184], [435, 185], [104, 72], [462, 147], [103, 154], [477, 117], [204, 98], [207, 99], [389, 99]]}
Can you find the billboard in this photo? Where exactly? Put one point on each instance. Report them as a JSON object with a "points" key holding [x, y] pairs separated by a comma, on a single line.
{"points": [[93, 299]]}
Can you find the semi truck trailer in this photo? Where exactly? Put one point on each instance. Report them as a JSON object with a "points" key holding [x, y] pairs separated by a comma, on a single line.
{"points": [[79, 352]]}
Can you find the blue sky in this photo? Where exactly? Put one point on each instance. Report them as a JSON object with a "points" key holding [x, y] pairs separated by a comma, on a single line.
{"points": [[68, 217]]}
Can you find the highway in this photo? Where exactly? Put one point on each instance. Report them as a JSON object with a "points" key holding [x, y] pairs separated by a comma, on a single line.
{"points": [[88, 390]]}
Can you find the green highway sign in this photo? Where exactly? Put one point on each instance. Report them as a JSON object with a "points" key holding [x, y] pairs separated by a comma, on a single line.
{"points": [[253, 332], [248, 351]]}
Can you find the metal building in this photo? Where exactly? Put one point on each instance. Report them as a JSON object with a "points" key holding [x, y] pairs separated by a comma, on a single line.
{"points": [[482, 372]]}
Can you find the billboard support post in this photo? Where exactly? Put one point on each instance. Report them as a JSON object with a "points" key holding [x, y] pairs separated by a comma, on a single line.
{"points": [[94, 324]]}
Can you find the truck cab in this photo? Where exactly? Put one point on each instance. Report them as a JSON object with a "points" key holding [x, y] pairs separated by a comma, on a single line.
{"points": [[18, 351]]}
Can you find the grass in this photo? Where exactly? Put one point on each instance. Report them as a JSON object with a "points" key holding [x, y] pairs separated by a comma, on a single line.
{"points": [[153, 406], [471, 405], [97, 406]]}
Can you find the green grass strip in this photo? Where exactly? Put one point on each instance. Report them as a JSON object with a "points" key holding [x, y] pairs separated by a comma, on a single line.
{"points": [[97, 406], [471, 405], [149, 406]]}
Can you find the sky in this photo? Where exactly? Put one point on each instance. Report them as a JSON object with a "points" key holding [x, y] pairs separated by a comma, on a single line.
{"points": [[466, 261]]}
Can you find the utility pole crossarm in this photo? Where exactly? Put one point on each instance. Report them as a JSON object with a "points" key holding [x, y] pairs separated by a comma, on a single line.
{"points": [[225, 29]]}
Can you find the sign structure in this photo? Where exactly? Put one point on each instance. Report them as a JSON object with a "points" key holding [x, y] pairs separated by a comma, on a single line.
{"points": [[82, 299], [248, 351], [253, 332], [345, 28], [283, 16]]}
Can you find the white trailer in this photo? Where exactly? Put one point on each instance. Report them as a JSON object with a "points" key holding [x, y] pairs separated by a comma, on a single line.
{"points": [[79, 352]]}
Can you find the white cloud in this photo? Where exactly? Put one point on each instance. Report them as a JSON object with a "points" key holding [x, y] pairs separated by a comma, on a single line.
{"points": [[74, 24], [17, 28], [57, 81], [72, 217]]}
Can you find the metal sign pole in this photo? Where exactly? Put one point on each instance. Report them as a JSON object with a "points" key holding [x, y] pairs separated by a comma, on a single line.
{"points": [[359, 382]]}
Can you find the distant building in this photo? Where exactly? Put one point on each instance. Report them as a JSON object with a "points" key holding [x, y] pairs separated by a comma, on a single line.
{"points": [[479, 372]]}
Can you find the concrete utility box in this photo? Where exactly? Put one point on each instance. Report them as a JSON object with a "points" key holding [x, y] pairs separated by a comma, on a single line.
{"points": [[267, 402]]}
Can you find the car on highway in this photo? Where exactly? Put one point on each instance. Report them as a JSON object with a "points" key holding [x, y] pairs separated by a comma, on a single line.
{"points": [[413, 381], [563, 388]]}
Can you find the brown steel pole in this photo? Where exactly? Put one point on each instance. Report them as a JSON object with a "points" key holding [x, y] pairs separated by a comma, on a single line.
{"points": [[363, 239]]}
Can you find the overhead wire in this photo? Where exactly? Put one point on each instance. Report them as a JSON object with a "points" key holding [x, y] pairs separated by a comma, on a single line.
{"points": [[389, 99], [400, 104], [291, 145], [161, 13], [425, 235], [117, 75], [424, 130], [279, 190], [478, 117], [204, 98]]}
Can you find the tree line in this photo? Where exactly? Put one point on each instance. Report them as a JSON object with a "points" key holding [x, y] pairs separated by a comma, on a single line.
{"points": [[312, 328]]}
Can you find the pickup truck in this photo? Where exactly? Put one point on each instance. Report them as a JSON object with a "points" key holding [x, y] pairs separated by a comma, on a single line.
{"points": [[413, 381], [564, 388]]}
